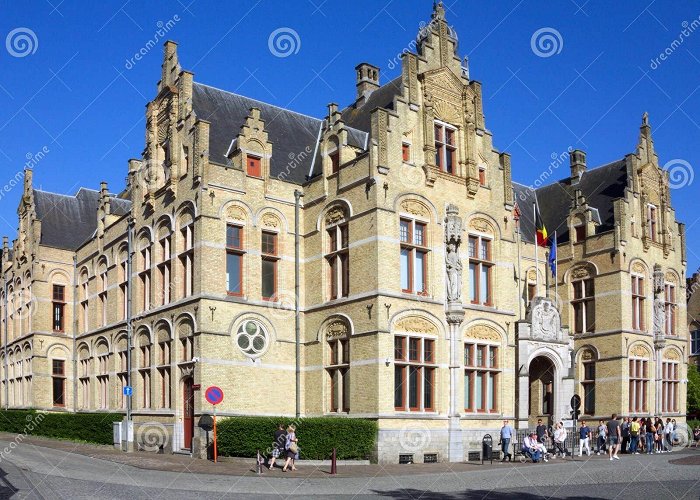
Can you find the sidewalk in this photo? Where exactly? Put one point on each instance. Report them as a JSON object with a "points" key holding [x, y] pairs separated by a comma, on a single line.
{"points": [[246, 466]]}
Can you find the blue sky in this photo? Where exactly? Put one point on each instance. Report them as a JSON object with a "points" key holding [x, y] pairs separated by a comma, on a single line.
{"points": [[69, 90]]}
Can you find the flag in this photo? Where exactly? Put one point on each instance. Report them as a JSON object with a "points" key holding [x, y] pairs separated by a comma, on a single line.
{"points": [[539, 226], [553, 255]]}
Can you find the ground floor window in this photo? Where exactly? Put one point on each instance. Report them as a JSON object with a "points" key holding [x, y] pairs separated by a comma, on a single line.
{"points": [[638, 382], [669, 387], [481, 374], [58, 371], [414, 373]]}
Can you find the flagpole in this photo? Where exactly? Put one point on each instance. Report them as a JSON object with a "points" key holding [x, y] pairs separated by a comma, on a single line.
{"points": [[537, 263], [556, 270]]}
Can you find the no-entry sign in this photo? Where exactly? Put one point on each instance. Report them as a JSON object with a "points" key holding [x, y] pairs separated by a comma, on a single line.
{"points": [[214, 395]]}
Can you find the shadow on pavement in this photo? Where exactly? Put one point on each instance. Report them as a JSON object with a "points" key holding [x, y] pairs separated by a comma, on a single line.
{"points": [[7, 490], [412, 494]]}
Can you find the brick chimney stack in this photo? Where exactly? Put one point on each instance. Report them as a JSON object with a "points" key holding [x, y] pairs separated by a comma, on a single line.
{"points": [[367, 81]]}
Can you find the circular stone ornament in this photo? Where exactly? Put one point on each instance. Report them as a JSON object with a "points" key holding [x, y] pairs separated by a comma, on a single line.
{"points": [[252, 339]]}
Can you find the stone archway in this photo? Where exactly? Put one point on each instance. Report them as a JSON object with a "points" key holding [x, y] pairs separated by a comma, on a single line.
{"points": [[542, 378]]}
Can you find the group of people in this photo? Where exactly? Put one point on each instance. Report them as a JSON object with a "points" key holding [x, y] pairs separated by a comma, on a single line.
{"points": [[285, 445], [631, 435]]}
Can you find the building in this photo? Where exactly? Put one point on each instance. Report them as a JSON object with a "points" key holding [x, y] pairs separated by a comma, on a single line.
{"points": [[693, 285], [423, 301]]}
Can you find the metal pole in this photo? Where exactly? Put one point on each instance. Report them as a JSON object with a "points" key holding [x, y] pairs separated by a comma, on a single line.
{"points": [[334, 465], [216, 451], [297, 196], [556, 270], [5, 305], [537, 263], [129, 326], [520, 279]]}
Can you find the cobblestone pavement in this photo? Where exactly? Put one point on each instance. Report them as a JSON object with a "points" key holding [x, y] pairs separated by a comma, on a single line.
{"points": [[37, 468]]}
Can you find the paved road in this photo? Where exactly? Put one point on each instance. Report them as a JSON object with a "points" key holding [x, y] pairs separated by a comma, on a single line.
{"points": [[31, 471]]}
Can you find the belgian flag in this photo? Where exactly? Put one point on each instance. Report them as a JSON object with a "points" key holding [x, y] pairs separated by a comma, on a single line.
{"points": [[542, 238]]}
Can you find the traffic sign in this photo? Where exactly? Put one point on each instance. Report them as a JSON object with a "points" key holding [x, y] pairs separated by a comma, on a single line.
{"points": [[576, 401], [128, 390], [214, 395]]}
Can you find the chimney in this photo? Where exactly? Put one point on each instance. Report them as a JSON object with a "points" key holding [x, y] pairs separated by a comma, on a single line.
{"points": [[577, 160], [367, 81]]}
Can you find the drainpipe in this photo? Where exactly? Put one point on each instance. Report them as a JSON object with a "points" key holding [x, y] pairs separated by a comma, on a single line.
{"points": [[129, 326], [297, 197], [75, 334]]}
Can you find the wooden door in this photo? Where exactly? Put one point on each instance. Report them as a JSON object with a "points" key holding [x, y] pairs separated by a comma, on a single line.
{"points": [[188, 412]]}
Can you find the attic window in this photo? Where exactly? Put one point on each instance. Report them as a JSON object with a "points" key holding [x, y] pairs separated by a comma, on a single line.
{"points": [[406, 152], [482, 175], [445, 147], [335, 161], [254, 168], [580, 233]]}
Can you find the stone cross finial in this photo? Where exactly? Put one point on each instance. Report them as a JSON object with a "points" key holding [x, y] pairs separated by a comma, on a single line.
{"points": [[438, 10], [645, 119]]}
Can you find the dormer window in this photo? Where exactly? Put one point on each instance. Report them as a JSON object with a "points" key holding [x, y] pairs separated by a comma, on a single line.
{"points": [[445, 148], [482, 175], [335, 161], [580, 233], [254, 168], [406, 152]]}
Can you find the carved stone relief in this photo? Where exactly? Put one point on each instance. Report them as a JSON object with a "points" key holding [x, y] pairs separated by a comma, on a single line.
{"points": [[414, 207], [336, 329], [416, 324], [482, 332], [236, 213], [639, 351]]}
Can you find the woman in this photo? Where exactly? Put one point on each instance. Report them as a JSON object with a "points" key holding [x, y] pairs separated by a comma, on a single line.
{"points": [[292, 447], [560, 440], [602, 430], [642, 435], [659, 436], [651, 434]]}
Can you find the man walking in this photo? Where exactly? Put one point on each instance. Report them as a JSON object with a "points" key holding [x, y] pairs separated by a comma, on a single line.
{"points": [[542, 433], [614, 436], [507, 433], [584, 434]]}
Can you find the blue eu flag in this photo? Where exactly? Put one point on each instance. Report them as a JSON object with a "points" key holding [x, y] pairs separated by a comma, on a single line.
{"points": [[553, 255]]}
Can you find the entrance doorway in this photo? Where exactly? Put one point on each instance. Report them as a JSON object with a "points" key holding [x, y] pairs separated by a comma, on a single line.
{"points": [[188, 411], [542, 390]]}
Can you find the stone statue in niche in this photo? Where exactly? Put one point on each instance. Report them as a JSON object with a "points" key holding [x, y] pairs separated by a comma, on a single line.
{"points": [[454, 273], [453, 264], [659, 303], [545, 320]]}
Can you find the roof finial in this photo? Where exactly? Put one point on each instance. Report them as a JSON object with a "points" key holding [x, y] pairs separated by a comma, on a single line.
{"points": [[645, 119], [438, 11]]}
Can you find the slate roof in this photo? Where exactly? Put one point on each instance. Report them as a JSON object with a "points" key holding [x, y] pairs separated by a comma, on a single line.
{"points": [[601, 186], [69, 221], [291, 133]]}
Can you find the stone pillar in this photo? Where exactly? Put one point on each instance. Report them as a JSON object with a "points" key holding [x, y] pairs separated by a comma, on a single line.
{"points": [[455, 316]]}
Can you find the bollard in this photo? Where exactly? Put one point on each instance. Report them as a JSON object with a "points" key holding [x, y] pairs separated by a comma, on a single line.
{"points": [[334, 468]]}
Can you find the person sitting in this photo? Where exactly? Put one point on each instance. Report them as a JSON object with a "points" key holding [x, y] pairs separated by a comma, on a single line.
{"points": [[531, 448]]}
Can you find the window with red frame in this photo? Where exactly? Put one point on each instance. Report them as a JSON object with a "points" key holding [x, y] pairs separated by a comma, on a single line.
{"points": [[335, 161], [482, 176], [670, 309], [414, 373], [669, 387], [270, 259], [338, 259], [413, 256], [480, 270], [580, 233], [445, 147], [59, 304], [584, 306], [638, 381], [234, 259], [254, 166], [406, 152], [638, 303], [481, 373]]}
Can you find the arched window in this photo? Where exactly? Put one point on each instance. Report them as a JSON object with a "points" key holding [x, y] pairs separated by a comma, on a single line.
{"points": [[11, 313], [638, 302], [638, 381], [84, 377], [338, 366], [84, 301], [123, 280], [163, 360], [58, 296], [144, 260], [338, 253], [583, 302], [103, 284], [102, 352], [27, 364], [144, 364], [481, 376], [670, 309], [121, 349], [413, 235], [58, 382], [669, 384], [164, 267], [186, 259], [587, 378], [481, 265], [186, 334]]}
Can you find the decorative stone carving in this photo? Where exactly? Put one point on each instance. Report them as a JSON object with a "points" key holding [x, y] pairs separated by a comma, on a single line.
{"points": [[415, 207], [659, 303], [639, 351], [545, 320], [671, 354], [252, 339], [236, 213], [270, 220], [532, 275], [453, 264], [416, 324], [587, 355], [481, 225], [334, 215], [639, 268], [671, 278], [483, 332], [336, 329], [581, 272]]}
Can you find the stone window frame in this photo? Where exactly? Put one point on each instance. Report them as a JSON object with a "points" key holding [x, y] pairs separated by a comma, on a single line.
{"points": [[442, 146], [480, 262], [337, 257], [236, 249], [652, 221], [413, 248], [639, 377], [670, 309], [639, 322], [421, 365], [473, 368], [273, 257], [670, 385], [338, 365], [585, 300]]}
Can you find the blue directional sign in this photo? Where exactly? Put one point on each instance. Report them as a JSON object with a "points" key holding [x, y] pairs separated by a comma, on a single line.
{"points": [[128, 390]]}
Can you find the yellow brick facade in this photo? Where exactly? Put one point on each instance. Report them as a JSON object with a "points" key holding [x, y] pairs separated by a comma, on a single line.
{"points": [[192, 331]]}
